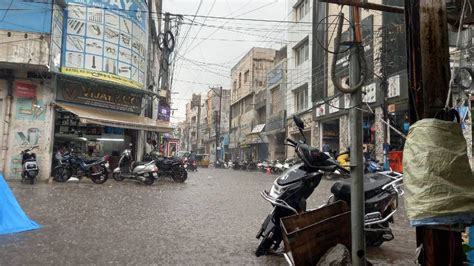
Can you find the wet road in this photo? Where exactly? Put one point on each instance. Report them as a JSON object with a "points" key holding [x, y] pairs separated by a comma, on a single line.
{"points": [[210, 219]]}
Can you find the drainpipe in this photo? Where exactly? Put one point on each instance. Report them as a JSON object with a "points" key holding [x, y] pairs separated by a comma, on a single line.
{"points": [[6, 127]]}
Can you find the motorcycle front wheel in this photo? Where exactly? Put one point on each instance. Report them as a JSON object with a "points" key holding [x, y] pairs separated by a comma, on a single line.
{"points": [[180, 175], [100, 176], [62, 174], [149, 180], [118, 177]]}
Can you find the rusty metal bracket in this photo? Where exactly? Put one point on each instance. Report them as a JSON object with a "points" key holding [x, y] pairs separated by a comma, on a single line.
{"points": [[366, 5]]}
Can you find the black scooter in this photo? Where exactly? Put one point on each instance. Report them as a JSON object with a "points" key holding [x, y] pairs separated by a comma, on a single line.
{"points": [[30, 169], [293, 187]]}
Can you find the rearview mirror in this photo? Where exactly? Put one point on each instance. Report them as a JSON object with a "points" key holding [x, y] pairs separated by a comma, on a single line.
{"points": [[298, 122]]}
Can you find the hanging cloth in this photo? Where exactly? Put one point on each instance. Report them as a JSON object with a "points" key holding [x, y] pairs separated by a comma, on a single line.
{"points": [[438, 179], [12, 218]]}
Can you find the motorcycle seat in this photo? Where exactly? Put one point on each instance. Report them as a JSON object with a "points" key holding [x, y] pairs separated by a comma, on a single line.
{"points": [[373, 184]]}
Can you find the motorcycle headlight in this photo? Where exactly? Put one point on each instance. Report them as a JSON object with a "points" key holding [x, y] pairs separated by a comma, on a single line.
{"points": [[277, 190]]}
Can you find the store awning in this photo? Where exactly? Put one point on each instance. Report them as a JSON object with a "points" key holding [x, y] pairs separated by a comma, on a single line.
{"points": [[258, 129], [89, 115]]}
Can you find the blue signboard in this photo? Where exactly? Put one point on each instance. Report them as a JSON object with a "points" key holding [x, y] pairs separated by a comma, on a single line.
{"points": [[26, 15], [106, 40]]}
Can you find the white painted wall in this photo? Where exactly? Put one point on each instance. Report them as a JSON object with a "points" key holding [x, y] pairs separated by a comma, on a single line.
{"points": [[301, 74], [29, 126]]}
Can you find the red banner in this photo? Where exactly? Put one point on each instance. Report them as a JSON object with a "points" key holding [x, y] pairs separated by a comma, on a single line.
{"points": [[25, 90]]}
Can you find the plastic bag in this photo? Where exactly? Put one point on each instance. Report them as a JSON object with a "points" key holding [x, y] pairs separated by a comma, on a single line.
{"points": [[438, 179]]}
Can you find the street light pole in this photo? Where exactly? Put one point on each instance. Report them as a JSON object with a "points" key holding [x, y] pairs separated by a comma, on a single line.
{"points": [[218, 120]]}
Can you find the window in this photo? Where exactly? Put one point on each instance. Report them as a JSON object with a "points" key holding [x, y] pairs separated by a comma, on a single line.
{"points": [[302, 9], [301, 99], [236, 109], [302, 53], [240, 80], [246, 76]]}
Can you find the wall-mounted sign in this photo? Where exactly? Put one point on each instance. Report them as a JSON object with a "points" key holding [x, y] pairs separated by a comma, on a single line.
{"points": [[164, 112], [25, 90], [26, 15], [320, 110], [107, 40], [393, 86], [275, 75], [369, 93], [392, 108], [99, 96], [334, 105]]}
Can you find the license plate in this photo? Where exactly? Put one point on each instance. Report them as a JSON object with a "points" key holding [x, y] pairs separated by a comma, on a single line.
{"points": [[155, 174]]}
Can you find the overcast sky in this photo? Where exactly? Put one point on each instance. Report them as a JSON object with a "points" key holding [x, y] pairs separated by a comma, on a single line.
{"points": [[213, 46]]}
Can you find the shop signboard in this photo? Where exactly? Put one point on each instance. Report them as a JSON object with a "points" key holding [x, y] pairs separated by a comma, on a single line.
{"points": [[56, 38], [106, 40], [26, 15], [25, 90], [99, 96]]}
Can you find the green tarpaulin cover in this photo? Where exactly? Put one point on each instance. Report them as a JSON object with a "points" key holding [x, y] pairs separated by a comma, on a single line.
{"points": [[437, 175]]}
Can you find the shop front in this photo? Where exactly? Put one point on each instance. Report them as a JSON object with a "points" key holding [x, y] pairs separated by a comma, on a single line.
{"points": [[98, 119], [330, 136]]}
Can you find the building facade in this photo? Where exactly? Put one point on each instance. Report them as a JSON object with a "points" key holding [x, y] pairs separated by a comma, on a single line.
{"points": [[72, 75], [275, 126], [299, 71], [248, 104], [385, 90]]}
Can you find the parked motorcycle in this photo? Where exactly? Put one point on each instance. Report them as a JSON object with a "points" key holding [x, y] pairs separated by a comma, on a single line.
{"points": [[236, 165], [278, 167], [262, 166], [220, 164], [190, 165], [29, 165], [72, 165], [172, 167], [290, 191], [251, 166], [141, 171]]}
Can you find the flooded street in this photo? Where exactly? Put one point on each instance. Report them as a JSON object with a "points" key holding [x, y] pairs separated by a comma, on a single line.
{"points": [[210, 219]]}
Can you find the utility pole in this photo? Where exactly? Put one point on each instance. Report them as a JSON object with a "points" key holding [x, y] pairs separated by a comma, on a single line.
{"points": [[356, 163], [165, 55], [427, 35], [218, 119]]}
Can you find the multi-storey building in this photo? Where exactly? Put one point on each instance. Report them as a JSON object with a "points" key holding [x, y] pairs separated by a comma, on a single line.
{"points": [[76, 73], [248, 112], [299, 70], [217, 121], [193, 122], [275, 125]]}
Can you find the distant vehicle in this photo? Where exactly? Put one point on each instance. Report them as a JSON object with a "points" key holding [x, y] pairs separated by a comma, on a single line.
{"points": [[183, 154], [203, 160]]}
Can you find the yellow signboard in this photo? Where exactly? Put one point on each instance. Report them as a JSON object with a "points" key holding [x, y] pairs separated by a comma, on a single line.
{"points": [[85, 73]]}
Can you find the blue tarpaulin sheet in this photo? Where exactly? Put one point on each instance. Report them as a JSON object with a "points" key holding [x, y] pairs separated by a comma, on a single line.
{"points": [[12, 217]]}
